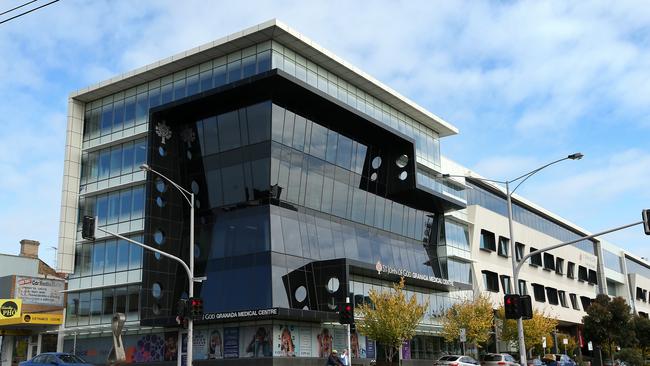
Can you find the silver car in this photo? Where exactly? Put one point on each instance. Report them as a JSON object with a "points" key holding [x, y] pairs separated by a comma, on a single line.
{"points": [[498, 359], [455, 360]]}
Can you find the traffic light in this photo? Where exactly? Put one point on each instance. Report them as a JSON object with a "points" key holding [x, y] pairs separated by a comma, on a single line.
{"points": [[512, 306], [346, 314], [182, 308], [196, 307], [88, 228], [646, 221], [526, 307]]}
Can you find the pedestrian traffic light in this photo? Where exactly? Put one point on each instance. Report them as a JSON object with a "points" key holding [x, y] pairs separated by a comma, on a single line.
{"points": [[182, 307], [512, 306], [526, 307], [346, 314], [196, 307], [646, 221], [88, 228]]}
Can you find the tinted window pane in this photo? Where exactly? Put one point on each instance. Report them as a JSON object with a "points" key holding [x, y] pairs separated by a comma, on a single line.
{"points": [[299, 133], [259, 122], [234, 71], [142, 109], [264, 61], [229, 131], [287, 134], [138, 203], [219, 76], [344, 152], [248, 66], [332, 143], [318, 141], [127, 158], [210, 136], [233, 184]]}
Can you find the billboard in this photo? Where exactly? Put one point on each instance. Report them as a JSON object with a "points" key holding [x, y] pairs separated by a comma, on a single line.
{"points": [[39, 291]]}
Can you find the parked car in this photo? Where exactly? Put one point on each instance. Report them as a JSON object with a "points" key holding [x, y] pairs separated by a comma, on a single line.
{"points": [[498, 359], [560, 360], [56, 358], [455, 360], [535, 362]]}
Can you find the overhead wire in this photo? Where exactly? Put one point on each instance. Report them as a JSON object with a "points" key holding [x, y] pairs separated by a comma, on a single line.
{"points": [[28, 11], [18, 7]]}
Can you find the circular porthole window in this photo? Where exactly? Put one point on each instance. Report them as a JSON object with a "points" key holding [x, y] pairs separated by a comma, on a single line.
{"points": [[403, 175], [333, 285], [197, 250], [161, 186], [197, 203], [300, 294], [156, 290], [402, 161], [376, 162], [195, 187], [373, 177], [162, 151], [155, 309], [157, 256], [159, 237], [189, 155], [161, 202]]}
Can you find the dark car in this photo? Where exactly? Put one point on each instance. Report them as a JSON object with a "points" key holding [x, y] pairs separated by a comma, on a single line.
{"points": [[56, 358]]}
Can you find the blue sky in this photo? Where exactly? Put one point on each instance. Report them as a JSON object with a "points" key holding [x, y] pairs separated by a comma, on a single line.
{"points": [[525, 82]]}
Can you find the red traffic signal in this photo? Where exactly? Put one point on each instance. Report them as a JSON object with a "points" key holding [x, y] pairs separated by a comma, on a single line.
{"points": [[346, 314], [512, 306], [196, 307]]}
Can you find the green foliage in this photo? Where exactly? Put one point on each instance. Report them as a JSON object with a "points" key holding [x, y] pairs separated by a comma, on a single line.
{"points": [[642, 330], [608, 323], [391, 319], [475, 315], [630, 355]]}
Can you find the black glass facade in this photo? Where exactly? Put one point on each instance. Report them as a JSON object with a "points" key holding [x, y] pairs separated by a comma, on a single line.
{"points": [[289, 187]]}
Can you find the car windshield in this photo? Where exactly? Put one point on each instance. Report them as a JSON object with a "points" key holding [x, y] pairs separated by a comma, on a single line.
{"points": [[492, 358], [449, 358], [71, 359]]}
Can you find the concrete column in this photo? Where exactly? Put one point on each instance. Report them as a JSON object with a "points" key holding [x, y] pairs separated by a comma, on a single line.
{"points": [[61, 335], [600, 269], [39, 344], [7, 350]]}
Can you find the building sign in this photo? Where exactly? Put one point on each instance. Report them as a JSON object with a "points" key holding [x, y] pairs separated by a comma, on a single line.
{"points": [[42, 318], [10, 308], [406, 273], [588, 260], [246, 314], [39, 291]]}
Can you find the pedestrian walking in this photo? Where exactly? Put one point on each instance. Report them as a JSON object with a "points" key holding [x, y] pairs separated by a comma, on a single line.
{"points": [[333, 359], [345, 358]]}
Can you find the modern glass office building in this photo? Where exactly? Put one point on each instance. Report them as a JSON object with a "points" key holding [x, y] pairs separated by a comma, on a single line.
{"points": [[313, 183]]}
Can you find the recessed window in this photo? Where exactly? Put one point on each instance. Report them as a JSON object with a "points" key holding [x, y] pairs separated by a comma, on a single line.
{"points": [[571, 270], [519, 249], [195, 187], [161, 202], [490, 281], [538, 292], [640, 294], [562, 296], [402, 161], [559, 265], [189, 155], [506, 284], [535, 260], [376, 162], [551, 295], [583, 274], [161, 186], [593, 277], [488, 241], [549, 262], [159, 237], [586, 302], [523, 289], [162, 151], [574, 301], [504, 244]]}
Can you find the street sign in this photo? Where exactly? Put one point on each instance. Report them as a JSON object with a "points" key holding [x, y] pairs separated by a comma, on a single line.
{"points": [[590, 346], [565, 341], [543, 342], [463, 335]]}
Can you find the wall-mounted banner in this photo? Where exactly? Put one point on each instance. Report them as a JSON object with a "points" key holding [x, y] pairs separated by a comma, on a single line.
{"points": [[39, 291], [256, 342], [244, 314], [10, 308], [382, 268], [231, 342]]}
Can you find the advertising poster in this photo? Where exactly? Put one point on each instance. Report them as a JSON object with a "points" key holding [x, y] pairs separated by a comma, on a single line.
{"points": [[305, 342], [256, 342], [200, 345], [340, 341], [406, 350], [358, 345], [171, 346], [324, 339], [38, 291], [231, 342], [215, 347], [285, 337], [370, 348]]}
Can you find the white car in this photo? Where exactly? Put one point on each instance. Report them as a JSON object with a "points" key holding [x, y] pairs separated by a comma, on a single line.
{"points": [[498, 359], [456, 360]]}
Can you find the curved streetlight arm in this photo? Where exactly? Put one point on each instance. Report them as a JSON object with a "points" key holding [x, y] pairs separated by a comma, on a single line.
{"points": [[444, 176], [183, 191], [533, 172]]}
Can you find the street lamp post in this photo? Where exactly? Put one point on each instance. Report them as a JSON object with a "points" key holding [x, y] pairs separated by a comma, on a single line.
{"points": [[189, 197], [515, 270]]}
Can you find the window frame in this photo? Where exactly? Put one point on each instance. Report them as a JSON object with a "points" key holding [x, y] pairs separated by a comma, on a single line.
{"points": [[490, 281], [539, 292], [562, 297], [574, 301], [503, 246], [571, 270], [535, 260], [559, 266], [487, 246]]}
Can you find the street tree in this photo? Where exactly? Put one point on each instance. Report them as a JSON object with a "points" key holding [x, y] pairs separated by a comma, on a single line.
{"points": [[642, 331], [474, 315], [608, 323], [540, 325], [390, 318]]}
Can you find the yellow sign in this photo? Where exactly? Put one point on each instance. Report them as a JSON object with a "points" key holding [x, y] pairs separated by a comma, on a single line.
{"points": [[42, 318], [10, 308]]}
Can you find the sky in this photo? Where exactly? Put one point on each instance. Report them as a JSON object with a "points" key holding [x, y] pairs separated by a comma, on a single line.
{"points": [[525, 82]]}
